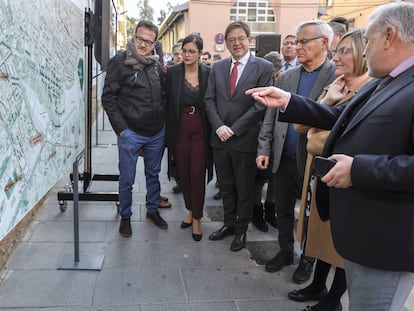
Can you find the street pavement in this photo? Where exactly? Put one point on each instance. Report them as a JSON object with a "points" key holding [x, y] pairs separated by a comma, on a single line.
{"points": [[154, 269]]}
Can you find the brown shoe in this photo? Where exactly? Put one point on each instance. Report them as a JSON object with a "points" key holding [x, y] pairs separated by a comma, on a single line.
{"points": [[157, 220], [125, 227], [164, 203]]}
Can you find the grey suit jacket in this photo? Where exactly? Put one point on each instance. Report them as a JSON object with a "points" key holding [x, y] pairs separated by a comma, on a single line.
{"points": [[273, 132], [238, 111]]}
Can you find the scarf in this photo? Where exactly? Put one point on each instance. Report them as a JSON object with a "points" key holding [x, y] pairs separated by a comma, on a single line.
{"points": [[135, 60]]}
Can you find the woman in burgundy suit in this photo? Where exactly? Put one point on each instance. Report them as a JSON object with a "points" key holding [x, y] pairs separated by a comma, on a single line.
{"points": [[188, 129]]}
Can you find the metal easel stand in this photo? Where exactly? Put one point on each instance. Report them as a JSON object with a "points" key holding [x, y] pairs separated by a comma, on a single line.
{"points": [[77, 262], [87, 176], [85, 262]]}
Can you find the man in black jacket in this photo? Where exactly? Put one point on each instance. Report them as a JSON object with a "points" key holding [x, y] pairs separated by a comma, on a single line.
{"points": [[133, 99]]}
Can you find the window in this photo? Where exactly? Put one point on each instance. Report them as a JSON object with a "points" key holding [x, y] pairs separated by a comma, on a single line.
{"points": [[257, 14], [253, 11]]}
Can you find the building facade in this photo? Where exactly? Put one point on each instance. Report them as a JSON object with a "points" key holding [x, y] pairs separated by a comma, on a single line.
{"points": [[210, 18], [356, 12]]}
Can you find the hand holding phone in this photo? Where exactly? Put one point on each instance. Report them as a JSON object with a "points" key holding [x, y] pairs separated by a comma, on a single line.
{"points": [[321, 166]]}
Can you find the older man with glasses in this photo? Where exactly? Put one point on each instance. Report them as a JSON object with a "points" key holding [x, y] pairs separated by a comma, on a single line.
{"points": [[289, 147]]}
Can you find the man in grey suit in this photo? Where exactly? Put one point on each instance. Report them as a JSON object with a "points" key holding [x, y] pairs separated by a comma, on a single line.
{"points": [[289, 147], [235, 121], [370, 189]]}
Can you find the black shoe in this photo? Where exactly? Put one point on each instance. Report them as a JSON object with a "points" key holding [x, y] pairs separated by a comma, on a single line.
{"points": [[185, 224], [221, 233], [298, 295], [304, 270], [125, 229], [270, 214], [157, 220], [260, 224], [258, 220], [217, 196], [176, 189], [317, 308], [197, 237], [281, 260], [238, 243]]}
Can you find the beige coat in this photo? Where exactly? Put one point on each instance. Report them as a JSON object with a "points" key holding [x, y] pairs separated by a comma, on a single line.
{"points": [[319, 242]]}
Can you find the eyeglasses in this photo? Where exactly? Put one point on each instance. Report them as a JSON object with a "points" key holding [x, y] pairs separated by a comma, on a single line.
{"points": [[234, 40], [289, 42], [139, 40], [306, 41], [184, 51], [341, 51]]}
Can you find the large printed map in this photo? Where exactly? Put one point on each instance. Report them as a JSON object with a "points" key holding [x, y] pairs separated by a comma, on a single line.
{"points": [[41, 100]]}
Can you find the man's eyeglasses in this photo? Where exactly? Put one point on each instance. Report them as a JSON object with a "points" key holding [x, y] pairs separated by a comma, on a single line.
{"points": [[234, 40], [139, 40], [306, 41], [184, 51], [341, 51]]}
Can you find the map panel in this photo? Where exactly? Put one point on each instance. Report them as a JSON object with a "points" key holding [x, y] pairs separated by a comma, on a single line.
{"points": [[41, 101]]}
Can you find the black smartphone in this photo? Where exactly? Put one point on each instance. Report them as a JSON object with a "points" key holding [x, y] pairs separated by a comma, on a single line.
{"points": [[321, 166]]}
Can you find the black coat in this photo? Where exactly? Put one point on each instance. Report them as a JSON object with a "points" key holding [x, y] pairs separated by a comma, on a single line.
{"points": [[134, 98], [173, 89]]}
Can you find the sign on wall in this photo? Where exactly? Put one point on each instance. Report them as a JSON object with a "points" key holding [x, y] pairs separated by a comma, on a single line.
{"points": [[41, 101]]}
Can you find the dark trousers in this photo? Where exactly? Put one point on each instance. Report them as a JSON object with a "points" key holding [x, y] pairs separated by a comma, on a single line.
{"points": [[190, 157], [236, 174], [263, 177], [287, 184]]}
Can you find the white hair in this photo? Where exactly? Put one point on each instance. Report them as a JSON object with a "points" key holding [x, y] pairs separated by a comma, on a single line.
{"points": [[323, 27], [396, 14]]}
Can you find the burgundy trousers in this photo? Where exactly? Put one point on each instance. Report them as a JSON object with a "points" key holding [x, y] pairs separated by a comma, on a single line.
{"points": [[191, 161]]}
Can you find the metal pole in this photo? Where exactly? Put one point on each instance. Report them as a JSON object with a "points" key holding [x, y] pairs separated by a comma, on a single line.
{"points": [[96, 104], [84, 262], [88, 124], [88, 262], [76, 208]]}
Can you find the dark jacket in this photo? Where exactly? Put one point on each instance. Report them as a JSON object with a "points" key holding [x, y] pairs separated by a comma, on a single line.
{"points": [[174, 85], [132, 98], [238, 111], [273, 133], [372, 221]]}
